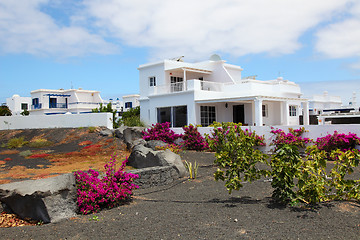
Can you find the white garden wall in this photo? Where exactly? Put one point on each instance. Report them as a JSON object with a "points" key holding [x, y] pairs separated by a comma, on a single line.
{"points": [[314, 131], [56, 121]]}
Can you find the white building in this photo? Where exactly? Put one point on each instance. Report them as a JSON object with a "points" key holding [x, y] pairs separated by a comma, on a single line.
{"points": [[131, 101], [319, 103], [46, 101], [18, 104], [203, 92]]}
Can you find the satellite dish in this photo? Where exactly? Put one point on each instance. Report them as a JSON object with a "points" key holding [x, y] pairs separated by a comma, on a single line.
{"points": [[215, 58]]}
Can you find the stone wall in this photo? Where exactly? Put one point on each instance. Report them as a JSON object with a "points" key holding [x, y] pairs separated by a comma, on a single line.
{"points": [[155, 176]]}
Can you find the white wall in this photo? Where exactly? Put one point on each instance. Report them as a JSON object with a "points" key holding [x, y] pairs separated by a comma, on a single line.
{"points": [[314, 131], [56, 121]]}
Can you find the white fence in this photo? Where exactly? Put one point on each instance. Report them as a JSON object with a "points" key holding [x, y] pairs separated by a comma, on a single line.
{"points": [[313, 131], [56, 121]]}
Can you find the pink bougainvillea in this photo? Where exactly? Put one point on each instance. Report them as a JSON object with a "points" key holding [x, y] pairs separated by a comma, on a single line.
{"points": [[95, 193], [161, 132], [193, 139]]}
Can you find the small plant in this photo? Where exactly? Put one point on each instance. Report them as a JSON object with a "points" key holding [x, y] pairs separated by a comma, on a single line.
{"points": [[172, 147], [235, 155], [95, 193], [25, 153], [285, 166], [292, 138], [91, 129], [193, 139], [192, 169], [131, 118], [162, 132], [16, 142], [39, 142], [40, 155], [94, 218]]}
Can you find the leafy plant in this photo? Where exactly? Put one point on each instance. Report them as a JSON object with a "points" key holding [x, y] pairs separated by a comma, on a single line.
{"points": [[25, 153], [172, 147], [235, 155], [25, 112], [131, 118], [193, 139], [40, 142], [162, 132], [5, 111], [91, 129], [16, 142], [285, 165], [95, 193], [292, 138], [192, 169], [335, 141]]}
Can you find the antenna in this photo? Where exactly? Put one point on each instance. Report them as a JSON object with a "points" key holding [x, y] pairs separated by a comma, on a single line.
{"points": [[72, 87]]}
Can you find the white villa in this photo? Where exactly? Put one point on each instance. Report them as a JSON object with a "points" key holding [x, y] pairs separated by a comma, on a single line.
{"points": [[203, 92], [18, 104], [131, 101], [46, 101], [319, 103]]}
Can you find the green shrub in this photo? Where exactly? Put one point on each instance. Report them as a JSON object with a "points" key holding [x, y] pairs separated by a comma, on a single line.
{"points": [[25, 153], [40, 142], [235, 155], [16, 142], [91, 129], [131, 118]]}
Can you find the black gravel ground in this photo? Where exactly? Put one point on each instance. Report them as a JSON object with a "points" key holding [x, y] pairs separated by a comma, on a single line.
{"points": [[203, 209]]}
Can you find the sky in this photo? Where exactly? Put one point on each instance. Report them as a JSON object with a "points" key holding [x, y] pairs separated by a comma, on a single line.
{"points": [[98, 44]]}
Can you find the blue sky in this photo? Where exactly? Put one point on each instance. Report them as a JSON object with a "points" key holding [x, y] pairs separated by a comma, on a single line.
{"points": [[98, 44]]}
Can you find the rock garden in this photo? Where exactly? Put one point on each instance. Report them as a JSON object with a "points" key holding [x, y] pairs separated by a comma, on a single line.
{"points": [[177, 186]]}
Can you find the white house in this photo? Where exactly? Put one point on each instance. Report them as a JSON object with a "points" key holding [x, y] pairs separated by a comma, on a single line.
{"points": [[319, 103], [131, 101], [203, 92], [18, 104], [46, 101]]}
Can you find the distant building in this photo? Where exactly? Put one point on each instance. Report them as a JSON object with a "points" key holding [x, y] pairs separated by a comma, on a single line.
{"points": [[18, 104], [46, 101], [131, 101], [200, 93]]}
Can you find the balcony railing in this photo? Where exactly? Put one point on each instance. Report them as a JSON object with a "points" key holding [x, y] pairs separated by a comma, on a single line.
{"points": [[192, 84], [36, 106], [57, 105]]}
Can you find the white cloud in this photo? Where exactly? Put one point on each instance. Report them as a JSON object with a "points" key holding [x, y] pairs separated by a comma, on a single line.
{"points": [[25, 29], [198, 28], [342, 39]]}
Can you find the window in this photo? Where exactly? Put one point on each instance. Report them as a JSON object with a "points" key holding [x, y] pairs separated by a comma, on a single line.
{"points": [[128, 104], [152, 81], [265, 110], [292, 111], [179, 116], [176, 116], [24, 106], [164, 115], [207, 115]]}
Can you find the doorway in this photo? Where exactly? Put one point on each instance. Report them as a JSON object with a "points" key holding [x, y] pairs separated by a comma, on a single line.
{"points": [[238, 114]]}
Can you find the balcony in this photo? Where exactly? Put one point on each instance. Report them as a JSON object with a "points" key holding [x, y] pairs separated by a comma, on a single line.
{"points": [[36, 106], [57, 105], [193, 84]]}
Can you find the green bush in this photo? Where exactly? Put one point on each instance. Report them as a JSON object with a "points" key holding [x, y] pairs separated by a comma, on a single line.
{"points": [[235, 155], [91, 129], [25, 153], [131, 118], [40, 142], [16, 142]]}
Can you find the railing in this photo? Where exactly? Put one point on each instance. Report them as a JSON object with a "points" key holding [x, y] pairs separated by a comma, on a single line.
{"points": [[177, 87], [36, 106], [57, 105]]}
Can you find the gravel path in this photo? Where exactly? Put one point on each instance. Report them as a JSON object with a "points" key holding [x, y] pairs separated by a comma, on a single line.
{"points": [[203, 209]]}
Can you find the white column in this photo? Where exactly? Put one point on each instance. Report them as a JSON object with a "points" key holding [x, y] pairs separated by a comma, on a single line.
{"points": [[184, 83], [286, 116], [306, 118], [258, 112]]}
